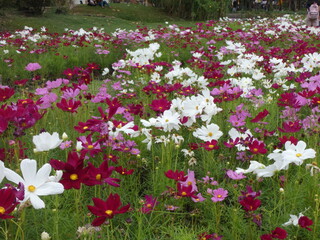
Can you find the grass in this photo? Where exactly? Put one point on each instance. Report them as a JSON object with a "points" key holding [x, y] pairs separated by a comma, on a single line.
{"points": [[124, 16]]}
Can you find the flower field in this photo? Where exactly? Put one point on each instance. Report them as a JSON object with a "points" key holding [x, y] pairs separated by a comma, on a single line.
{"points": [[205, 132]]}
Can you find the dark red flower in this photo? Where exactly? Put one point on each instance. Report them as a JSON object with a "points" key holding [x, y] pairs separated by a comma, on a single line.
{"points": [[107, 209], [100, 175], [160, 105], [185, 191], [260, 116], [6, 93], [250, 203], [266, 237], [8, 202], [176, 175], [210, 145], [290, 127], [69, 105], [279, 233], [124, 171], [292, 139], [305, 222], [257, 147], [149, 204], [74, 172]]}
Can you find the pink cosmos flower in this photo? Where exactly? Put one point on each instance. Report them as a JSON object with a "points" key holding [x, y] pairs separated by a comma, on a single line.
{"points": [[235, 176], [218, 194], [33, 67]]}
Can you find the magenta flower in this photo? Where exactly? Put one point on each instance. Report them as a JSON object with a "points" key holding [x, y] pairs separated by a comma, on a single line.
{"points": [[32, 67], [218, 194]]}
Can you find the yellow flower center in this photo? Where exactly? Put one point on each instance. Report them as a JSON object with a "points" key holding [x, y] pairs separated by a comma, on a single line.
{"points": [[219, 196], [69, 108], [98, 177], [298, 155], [149, 205], [210, 134], [255, 149], [183, 193], [31, 188], [2, 210], [189, 183], [90, 146], [74, 176], [85, 127], [167, 120], [211, 146], [109, 212]]}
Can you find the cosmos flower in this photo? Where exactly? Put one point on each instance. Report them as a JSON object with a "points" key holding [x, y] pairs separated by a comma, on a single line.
{"points": [[45, 141], [36, 182], [31, 67], [107, 209], [208, 133], [218, 194]]}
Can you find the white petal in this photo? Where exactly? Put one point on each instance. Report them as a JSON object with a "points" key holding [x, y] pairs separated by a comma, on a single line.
{"points": [[43, 174], [13, 176], [29, 170], [1, 171], [36, 202], [50, 188]]}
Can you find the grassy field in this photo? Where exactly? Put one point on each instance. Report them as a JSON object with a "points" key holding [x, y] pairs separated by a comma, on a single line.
{"points": [[124, 16]]}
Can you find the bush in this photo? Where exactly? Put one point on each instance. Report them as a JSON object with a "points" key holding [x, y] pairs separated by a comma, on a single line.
{"points": [[34, 7]]}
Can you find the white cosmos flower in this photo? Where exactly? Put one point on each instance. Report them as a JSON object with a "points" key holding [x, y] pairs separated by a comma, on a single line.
{"points": [[208, 133], [296, 153], [294, 220], [36, 183], [1, 171], [45, 141], [168, 121], [254, 165]]}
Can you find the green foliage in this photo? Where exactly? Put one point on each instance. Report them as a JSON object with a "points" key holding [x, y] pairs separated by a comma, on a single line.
{"points": [[195, 9], [34, 7]]}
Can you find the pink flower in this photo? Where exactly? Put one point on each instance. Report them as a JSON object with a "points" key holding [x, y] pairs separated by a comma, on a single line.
{"points": [[218, 194], [32, 67], [235, 176]]}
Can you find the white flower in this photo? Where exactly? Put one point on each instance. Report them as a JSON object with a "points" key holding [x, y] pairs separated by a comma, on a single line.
{"points": [[296, 153], [168, 121], [45, 141], [254, 165], [36, 183], [115, 130], [294, 220], [64, 136], [105, 71], [79, 146], [1, 171], [208, 133], [45, 236]]}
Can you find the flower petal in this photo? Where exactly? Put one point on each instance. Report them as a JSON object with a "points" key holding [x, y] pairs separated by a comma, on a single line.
{"points": [[13, 176], [49, 188], [42, 175], [36, 202], [29, 170]]}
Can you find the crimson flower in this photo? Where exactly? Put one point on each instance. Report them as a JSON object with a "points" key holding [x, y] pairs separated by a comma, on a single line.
{"points": [[8, 202], [290, 126], [185, 191], [257, 147], [100, 175], [69, 73], [260, 116], [279, 233], [176, 175], [292, 139], [107, 209], [69, 105], [6, 93], [305, 222], [160, 105], [250, 203], [210, 145], [74, 173], [149, 204], [123, 171]]}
